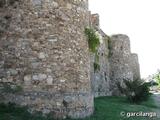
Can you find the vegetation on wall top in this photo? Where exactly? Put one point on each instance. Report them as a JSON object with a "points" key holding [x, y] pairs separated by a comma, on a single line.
{"points": [[93, 42], [93, 39]]}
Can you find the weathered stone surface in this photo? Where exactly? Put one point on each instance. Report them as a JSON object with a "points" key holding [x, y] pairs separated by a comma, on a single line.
{"points": [[72, 104], [100, 79], [135, 66], [44, 49], [120, 56], [116, 62], [49, 80], [37, 2], [42, 55]]}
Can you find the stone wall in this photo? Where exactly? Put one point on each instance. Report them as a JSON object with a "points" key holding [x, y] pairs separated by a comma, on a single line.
{"points": [[116, 61], [135, 66], [44, 50], [100, 78], [119, 61]]}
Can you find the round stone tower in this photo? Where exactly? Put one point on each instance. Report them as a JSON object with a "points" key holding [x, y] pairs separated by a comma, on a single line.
{"points": [[119, 58], [44, 50], [135, 66]]}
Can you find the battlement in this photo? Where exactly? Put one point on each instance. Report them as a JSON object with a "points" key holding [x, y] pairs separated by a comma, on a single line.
{"points": [[120, 37], [120, 43], [95, 20], [135, 56]]}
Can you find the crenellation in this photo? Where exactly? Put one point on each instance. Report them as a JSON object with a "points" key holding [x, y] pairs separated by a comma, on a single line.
{"points": [[95, 20], [120, 44]]}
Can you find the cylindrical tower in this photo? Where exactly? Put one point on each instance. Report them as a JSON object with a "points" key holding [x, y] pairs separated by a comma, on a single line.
{"points": [[119, 58], [135, 66], [44, 50]]}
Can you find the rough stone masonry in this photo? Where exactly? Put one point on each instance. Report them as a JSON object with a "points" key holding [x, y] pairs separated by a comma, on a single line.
{"points": [[100, 79], [116, 61], [44, 50], [120, 61]]}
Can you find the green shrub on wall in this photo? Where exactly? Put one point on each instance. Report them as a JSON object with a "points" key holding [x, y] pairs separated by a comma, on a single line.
{"points": [[93, 43], [93, 39]]}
